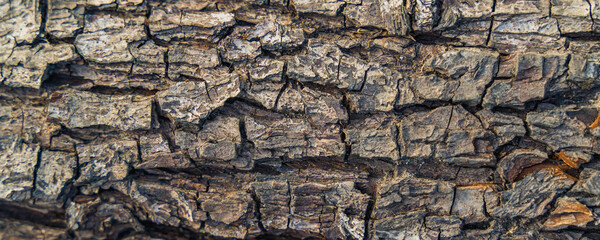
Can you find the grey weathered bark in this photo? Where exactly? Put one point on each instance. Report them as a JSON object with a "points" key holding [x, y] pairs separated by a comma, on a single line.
{"points": [[296, 119]]}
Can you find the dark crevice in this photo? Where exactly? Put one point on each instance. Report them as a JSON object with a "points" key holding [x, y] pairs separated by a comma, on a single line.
{"points": [[282, 90], [364, 82], [52, 217], [582, 36], [130, 72], [230, 105], [369, 226], [347, 144], [106, 90], [490, 31], [44, 16], [147, 21], [591, 14], [476, 226], [77, 172], [491, 83], [289, 204], [450, 119], [453, 199], [257, 205], [169, 232], [139, 152], [36, 168], [434, 38]]}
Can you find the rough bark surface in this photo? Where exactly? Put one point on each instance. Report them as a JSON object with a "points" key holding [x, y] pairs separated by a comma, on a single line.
{"points": [[299, 119]]}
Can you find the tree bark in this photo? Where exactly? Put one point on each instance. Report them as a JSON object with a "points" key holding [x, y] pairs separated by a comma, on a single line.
{"points": [[298, 119]]}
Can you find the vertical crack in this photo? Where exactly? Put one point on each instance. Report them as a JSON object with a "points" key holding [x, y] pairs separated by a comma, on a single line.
{"points": [[291, 211], [257, 205], [77, 169], [134, 61], [285, 86], [35, 173], [489, 84], [347, 143], [44, 16], [139, 149], [337, 77], [485, 208], [450, 118], [369, 225], [147, 21], [207, 186], [22, 131], [453, 199], [591, 15], [489, 36], [207, 91], [364, 79], [396, 136], [166, 59]]}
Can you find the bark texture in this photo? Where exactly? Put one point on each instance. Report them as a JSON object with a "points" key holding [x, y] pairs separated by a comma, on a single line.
{"points": [[299, 119]]}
